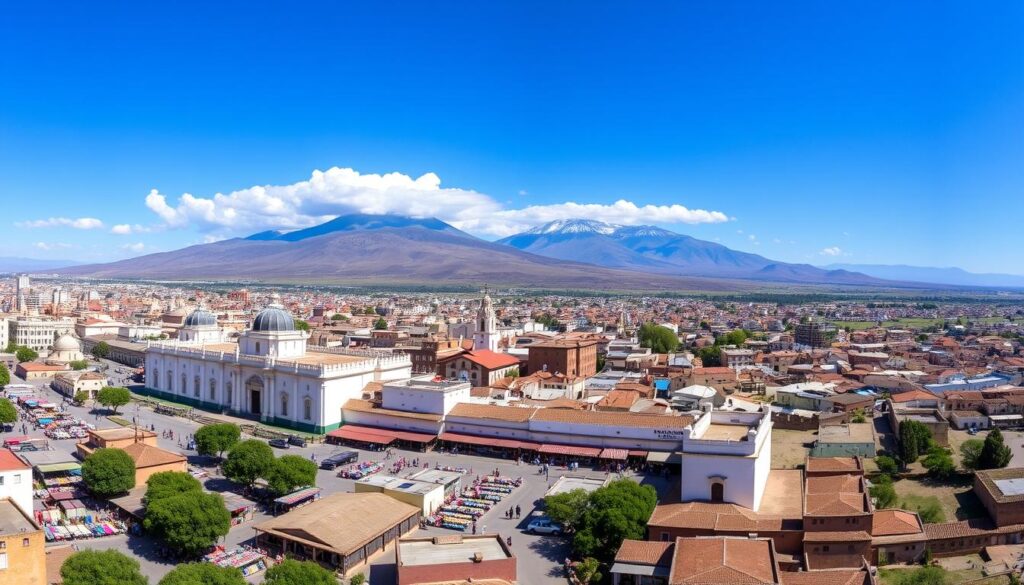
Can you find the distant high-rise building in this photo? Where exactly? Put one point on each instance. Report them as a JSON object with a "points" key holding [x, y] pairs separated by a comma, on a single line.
{"points": [[22, 286], [813, 334]]}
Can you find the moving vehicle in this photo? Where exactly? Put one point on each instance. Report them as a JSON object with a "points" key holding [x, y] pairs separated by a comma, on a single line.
{"points": [[339, 459], [544, 525], [279, 443]]}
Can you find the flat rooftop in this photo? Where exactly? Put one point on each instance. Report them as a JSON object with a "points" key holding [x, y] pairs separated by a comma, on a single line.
{"points": [[450, 549], [723, 432], [567, 483], [783, 494], [851, 433], [12, 521]]}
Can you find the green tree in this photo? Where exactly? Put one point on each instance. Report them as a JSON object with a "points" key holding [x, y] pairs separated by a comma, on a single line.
{"points": [[170, 483], [588, 570], [659, 339], [301, 325], [915, 439], [369, 311], [292, 572], [109, 567], [289, 472], [190, 522], [337, 317], [994, 453], [247, 461], [736, 337], [357, 579], [930, 575], [78, 364], [883, 492], [101, 349], [113, 397], [970, 453], [710, 357], [613, 513], [108, 472], [567, 508], [81, 397], [217, 438], [25, 354], [8, 414], [203, 574], [939, 463], [886, 464], [5, 375], [380, 324]]}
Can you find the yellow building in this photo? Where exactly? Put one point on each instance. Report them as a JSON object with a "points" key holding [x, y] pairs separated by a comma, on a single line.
{"points": [[22, 547]]}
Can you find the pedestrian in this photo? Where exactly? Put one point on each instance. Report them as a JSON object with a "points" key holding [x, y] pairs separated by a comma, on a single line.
{"points": [[511, 511], [509, 541], [517, 511]]}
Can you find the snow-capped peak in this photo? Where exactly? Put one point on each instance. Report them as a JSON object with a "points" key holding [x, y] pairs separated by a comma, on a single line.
{"points": [[574, 226]]}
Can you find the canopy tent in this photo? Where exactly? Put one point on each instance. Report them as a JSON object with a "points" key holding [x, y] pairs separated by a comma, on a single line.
{"points": [[488, 441], [572, 450], [378, 435], [614, 454]]}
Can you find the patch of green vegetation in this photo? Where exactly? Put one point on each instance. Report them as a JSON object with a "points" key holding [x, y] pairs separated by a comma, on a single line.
{"points": [[928, 507], [119, 421]]}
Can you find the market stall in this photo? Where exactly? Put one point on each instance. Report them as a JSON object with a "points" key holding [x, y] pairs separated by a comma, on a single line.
{"points": [[247, 559], [296, 499]]}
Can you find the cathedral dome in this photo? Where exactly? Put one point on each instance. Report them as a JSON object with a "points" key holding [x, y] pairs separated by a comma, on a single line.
{"points": [[273, 318], [67, 342], [199, 318]]}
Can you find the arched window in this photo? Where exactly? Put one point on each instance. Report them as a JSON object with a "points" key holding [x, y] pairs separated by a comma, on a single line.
{"points": [[307, 408], [284, 404], [196, 387], [257, 348], [184, 384], [213, 390], [156, 378], [228, 394], [170, 381]]}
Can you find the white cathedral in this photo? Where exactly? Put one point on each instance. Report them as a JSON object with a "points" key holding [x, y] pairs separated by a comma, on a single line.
{"points": [[269, 373]]}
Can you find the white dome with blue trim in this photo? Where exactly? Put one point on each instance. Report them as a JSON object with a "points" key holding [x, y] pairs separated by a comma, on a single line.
{"points": [[200, 318]]}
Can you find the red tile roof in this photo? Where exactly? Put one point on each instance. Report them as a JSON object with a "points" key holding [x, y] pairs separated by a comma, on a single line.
{"points": [[490, 359], [10, 462], [734, 561]]}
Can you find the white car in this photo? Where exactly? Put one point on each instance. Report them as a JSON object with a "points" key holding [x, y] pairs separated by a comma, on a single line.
{"points": [[543, 526]]}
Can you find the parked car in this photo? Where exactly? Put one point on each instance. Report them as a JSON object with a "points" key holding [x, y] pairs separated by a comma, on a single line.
{"points": [[337, 459], [544, 526], [296, 440], [972, 431], [279, 443]]}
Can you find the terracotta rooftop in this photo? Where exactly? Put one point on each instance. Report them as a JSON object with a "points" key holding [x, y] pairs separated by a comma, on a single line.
{"points": [[833, 464], [837, 536], [490, 359], [645, 552], [148, 456], [725, 561], [895, 522], [365, 517], [10, 462], [492, 412], [827, 577]]}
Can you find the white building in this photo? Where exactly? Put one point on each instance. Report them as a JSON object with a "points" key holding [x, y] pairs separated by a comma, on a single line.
{"points": [[16, 481], [38, 333], [726, 457], [424, 395], [269, 374], [66, 349], [486, 335]]}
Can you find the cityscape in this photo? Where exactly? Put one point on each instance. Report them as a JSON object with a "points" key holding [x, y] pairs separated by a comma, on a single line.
{"points": [[710, 295]]}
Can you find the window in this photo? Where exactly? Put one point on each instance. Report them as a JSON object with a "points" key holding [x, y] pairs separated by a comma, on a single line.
{"points": [[824, 548], [184, 384], [307, 408], [17, 478], [156, 378], [257, 347], [25, 542], [284, 404], [3, 560], [170, 381], [213, 390], [664, 537], [196, 387]]}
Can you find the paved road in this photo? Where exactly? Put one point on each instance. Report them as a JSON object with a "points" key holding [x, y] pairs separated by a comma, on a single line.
{"points": [[540, 557]]}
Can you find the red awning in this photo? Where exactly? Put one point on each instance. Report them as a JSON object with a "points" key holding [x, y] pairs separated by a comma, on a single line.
{"points": [[379, 436], [349, 433], [637, 453], [614, 454], [483, 441], [569, 450]]}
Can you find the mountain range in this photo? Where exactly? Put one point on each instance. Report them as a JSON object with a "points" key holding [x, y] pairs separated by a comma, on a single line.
{"points": [[385, 249], [954, 276], [392, 249], [12, 264], [658, 250]]}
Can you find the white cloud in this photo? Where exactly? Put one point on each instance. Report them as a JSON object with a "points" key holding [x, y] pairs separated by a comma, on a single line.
{"points": [[124, 229], [831, 251], [752, 238], [776, 241], [80, 223], [338, 191], [523, 192], [49, 246], [134, 247]]}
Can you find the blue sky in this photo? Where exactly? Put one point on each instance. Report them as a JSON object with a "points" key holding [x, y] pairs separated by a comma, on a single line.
{"points": [[871, 132]]}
